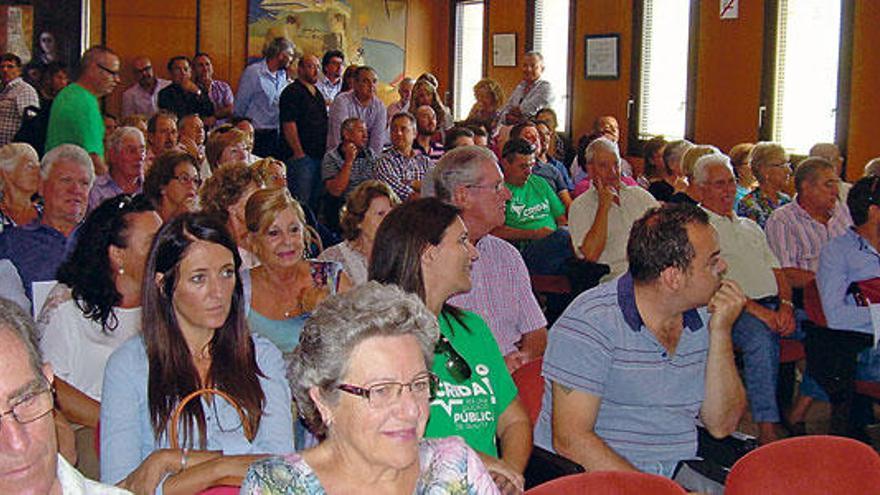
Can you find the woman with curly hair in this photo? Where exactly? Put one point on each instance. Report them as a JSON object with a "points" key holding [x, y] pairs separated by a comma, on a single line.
{"points": [[95, 306], [425, 93], [487, 108], [172, 184], [225, 194]]}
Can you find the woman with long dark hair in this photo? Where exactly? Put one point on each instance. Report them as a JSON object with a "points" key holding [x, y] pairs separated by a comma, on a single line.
{"points": [[423, 247], [194, 336]]}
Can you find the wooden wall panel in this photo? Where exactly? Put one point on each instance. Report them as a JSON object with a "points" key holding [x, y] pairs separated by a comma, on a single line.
{"points": [[507, 16], [864, 117]]}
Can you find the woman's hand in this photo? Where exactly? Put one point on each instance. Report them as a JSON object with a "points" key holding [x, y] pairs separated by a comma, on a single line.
{"points": [[149, 474], [507, 479]]}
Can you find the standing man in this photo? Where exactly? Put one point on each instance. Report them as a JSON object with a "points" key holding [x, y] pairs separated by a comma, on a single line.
{"points": [[143, 97], [304, 128], [219, 92], [259, 91], [125, 158], [15, 96], [75, 117], [360, 102], [182, 96], [530, 95], [331, 84]]}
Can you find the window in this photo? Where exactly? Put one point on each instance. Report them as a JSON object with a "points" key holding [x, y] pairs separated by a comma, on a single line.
{"points": [[661, 68], [803, 102], [468, 54], [550, 36]]}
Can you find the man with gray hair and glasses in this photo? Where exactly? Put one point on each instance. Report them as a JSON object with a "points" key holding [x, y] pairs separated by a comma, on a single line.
{"points": [[469, 178], [29, 458], [530, 95]]}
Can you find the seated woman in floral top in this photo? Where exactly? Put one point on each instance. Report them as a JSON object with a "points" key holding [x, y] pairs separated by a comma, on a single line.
{"points": [[771, 167], [361, 377]]}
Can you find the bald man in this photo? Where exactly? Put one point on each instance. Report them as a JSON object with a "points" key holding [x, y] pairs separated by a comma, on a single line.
{"points": [[143, 96]]}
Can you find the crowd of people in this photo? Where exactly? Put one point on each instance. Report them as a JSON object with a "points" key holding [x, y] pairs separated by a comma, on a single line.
{"points": [[295, 288]]}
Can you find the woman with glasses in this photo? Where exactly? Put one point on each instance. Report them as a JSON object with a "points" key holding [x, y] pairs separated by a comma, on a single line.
{"points": [[94, 308], [194, 336], [172, 184], [361, 377], [224, 195], [423, 247], [19, 182], [772, 169], [226, 144]]}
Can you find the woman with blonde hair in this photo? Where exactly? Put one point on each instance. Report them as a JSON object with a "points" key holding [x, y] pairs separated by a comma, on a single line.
{"points": [[271, 171], [226, 144], [19, 182], [487, 108], [425, 93], [742, 168], [772, 168]]}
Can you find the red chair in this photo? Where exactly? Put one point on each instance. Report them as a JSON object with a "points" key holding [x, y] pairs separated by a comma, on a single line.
{"points": [[550, 284], [530, 384], [221, 490], [810, 465], [609, 483]]}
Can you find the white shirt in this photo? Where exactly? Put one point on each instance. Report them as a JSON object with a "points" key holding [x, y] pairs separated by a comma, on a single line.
{"points": [[74, 483], [634, 202], [78, 347], [744, 247]]}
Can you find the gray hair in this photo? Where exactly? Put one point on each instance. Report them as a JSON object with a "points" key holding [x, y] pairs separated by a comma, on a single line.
{"points": [[16, 321], [536, 54], [114, 142], [276, 46], [701, 167], [71, 153], [872, 167], [690, 157], [342, 322], [809, 169], [763, 153], [601, 144], [459, 167], [675, 150], [12, 154], [825, 150]]}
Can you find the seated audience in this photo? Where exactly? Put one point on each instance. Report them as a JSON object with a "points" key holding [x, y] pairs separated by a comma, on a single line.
{"points": [[691, 193], [19, 183], [401, 167], [246, 125], [38, 248], [426, 131], [172, 184], [831, 152], [31, 463], [359, 352], [225, 195], [769, 311], [481, 135], [607, 415], [161, 136], [742, 168], [674, 179], [125, 160], [424, 93], [654, 167], [486, 110], [346, 166], [226, 144], [94, 308], [183, 96], [601, 218], [364, 210], [545, 153], [501, 292], [423, 247], [560, 146], [360, 102], [194, 336], [541, 168], [272, 172], [192, 140], [458, 136], [771, 167]]}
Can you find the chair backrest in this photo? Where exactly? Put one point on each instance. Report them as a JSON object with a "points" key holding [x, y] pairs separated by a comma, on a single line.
{"points": [[530, 385], [810, 465], [609, 483], [813, 304]]}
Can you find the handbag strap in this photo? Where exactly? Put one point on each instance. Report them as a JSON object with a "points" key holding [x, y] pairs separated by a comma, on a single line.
{"points": [[175, 417]]}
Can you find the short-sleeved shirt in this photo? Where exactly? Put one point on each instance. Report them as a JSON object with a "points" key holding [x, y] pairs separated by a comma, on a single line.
{"points": [[797, 238], [75, 118], [758, 206], [649, 399], [345, 106], [501, 293], [634, 202], [846, 259], [137, 100], [181, 102], [308, 111], [14, 98], [361, 169], [551, 174], [400, 171], [36, 250], [532, 205], [529, 98], [470, 409], [104, 188], [750, 262]]}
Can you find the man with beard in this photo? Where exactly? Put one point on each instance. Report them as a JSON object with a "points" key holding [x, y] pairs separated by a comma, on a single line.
{"points": [[161, 135], [143, 97], [426, 128], [330, 84]]}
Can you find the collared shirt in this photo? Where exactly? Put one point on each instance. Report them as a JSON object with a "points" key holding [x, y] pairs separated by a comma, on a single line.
{"points": [[14, 98], [501, 293], [258, 93], [797, 238], [177, 100], [105, 187], [634, 202], [346, 105], [757, 206], [529, 98], [395, 108], [750, 262], [846, 259], [361, 169], [307, 110], [649, 399], [36, 250], [399, 171], [221, 96], [137, 100], [74, 483], [328, 89], [434, 151]]}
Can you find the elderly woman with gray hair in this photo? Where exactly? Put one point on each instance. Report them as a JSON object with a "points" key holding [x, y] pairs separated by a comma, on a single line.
{"points": [[772, 168], [19, 182], [361, 378]]}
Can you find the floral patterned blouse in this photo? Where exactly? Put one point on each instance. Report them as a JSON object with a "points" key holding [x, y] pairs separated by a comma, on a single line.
{"points": [[448, 467], [757, 206]]}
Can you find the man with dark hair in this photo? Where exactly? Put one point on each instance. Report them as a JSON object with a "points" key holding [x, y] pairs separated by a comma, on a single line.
{"points": [[426, 128], [360, 102], [143, 96], [458, 136], [219, 92], [332, 65], [161, 136], [633, 363], [401, 167], [183, 96], [15, 96]]}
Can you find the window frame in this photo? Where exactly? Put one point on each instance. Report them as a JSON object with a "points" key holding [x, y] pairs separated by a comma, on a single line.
{"points": [[530, 45], [453, 28]]}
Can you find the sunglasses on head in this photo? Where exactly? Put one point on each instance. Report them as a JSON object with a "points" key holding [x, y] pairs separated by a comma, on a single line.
{"points": [[457, 367]]}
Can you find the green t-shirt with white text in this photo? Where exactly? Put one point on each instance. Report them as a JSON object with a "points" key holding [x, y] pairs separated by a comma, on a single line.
{"points": [[533, 205]]}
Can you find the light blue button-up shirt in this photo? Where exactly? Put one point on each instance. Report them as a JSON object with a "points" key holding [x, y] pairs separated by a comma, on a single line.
{"points": [[259, 91], [846, 259]]}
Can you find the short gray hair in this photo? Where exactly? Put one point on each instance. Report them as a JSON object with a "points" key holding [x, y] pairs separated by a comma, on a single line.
{"points": [[12, 154], [15, 320], [872, 167], [459, 167], [703, 163], [71, 153], [601, 144], [536, 54], [809, 169], [276, 46], [675, 150], [342, 322], [114, 142], [762, 154]]}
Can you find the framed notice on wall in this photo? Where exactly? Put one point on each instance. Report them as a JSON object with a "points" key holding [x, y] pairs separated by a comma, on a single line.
{"points": [[504, 50], [602, 56]]}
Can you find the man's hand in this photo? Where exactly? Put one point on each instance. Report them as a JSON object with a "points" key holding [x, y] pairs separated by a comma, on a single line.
{"points": [[785, 322], [349, 152], [515, 359], [190, 87], [607, 194], [541, 233], [725, 305]]}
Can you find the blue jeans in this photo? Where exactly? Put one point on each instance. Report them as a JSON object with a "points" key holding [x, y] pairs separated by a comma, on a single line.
{"points": [[760, 352], [547, 256], [304, 180]]}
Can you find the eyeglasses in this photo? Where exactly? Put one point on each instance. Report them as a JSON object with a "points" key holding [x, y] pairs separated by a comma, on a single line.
{"points": [[187, 179], [31, 407], [456, 365], [497, 188], [785, 165], [381, 395]]}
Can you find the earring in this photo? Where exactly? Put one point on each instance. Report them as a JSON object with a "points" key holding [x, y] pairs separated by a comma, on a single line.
{"points": [[121, 271]]}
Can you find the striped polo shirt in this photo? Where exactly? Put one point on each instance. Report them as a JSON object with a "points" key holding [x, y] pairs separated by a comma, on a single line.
{"points": [[650, 399]]}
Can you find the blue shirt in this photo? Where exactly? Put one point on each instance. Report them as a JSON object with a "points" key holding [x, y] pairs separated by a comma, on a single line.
{"points": [[846, 259], [650, 400], [259, 91], [36, 250], [127, 433]]}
